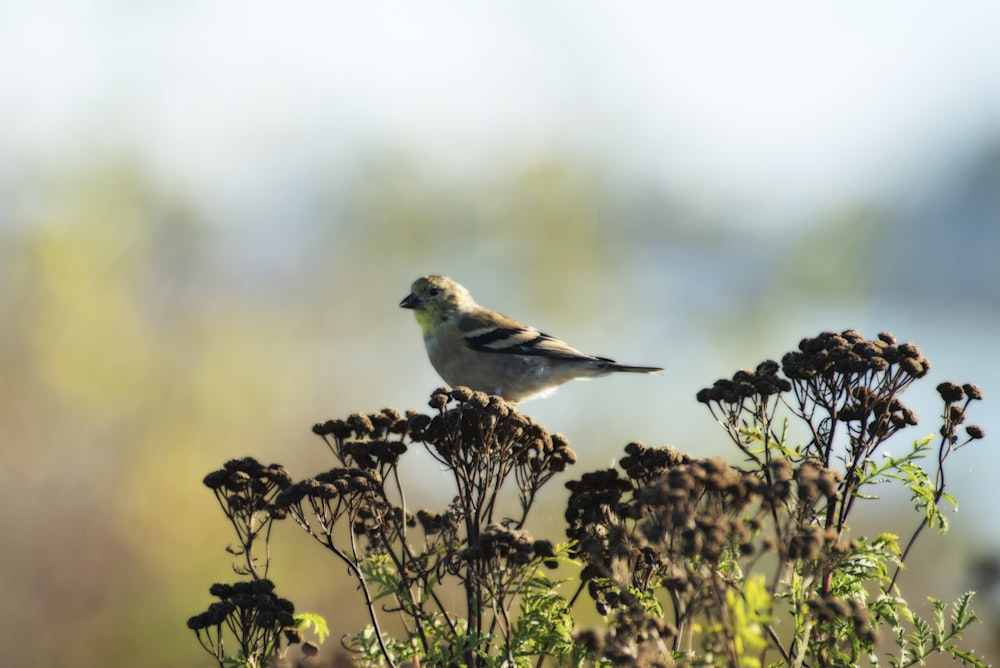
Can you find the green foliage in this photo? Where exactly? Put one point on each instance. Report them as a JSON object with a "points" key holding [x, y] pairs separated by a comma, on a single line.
{"points": [[689, 561], [936, 635], [315, 624], [749, 612], [545, 625]]}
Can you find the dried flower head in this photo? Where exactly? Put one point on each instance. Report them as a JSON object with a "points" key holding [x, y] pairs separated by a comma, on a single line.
{"points": [[951, 392], [973, 392], [975, 432]]}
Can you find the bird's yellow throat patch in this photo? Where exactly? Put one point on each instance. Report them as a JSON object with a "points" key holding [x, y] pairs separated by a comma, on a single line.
{"points": [[425, 319]]}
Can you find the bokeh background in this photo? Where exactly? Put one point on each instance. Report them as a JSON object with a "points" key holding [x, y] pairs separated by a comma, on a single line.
{"points": [[209, 212]]}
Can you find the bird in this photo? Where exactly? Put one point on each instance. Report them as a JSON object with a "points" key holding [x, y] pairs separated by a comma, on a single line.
{"points": [[473, 346]]}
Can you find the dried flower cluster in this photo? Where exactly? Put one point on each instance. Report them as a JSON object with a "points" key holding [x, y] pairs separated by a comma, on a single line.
{"points": [[956, 401], [501, 548], [846, 390], [483, 442], [318, 505], [835, 377], [248, 483], [687, 525], [745, 385], [246, 490], [483, 439], [831, 612], [636, 638], [679, 524], [849, 354], [498, 562], [252, 611], [372, 441], [844, 378]]}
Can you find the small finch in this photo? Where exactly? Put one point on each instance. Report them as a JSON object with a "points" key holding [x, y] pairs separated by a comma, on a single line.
{"points": [[474, 346]]}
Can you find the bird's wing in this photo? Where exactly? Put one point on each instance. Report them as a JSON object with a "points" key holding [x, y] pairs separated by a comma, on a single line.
{"points": [[489, 332]]}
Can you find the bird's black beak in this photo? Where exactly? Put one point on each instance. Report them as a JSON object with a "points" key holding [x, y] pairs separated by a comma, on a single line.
{"points": [[411, 301]]}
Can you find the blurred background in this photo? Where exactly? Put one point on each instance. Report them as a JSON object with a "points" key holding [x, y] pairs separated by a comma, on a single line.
{"points": [[210, 211]]}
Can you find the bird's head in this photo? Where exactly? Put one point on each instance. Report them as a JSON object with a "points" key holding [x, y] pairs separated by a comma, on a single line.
{"points": [[437, 299]]}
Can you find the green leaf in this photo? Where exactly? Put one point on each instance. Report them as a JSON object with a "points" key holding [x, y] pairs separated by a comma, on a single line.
{"points": [[310, 621]]}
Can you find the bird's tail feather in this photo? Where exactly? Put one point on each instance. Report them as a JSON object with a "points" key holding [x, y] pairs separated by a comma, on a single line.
{"points": [[634, 369]]}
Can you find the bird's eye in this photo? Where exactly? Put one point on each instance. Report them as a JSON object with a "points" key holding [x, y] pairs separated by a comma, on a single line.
{"points": [[434, 292]]}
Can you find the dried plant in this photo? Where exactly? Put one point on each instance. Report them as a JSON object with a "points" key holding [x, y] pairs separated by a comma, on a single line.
{"points": [[691, 561], [405, 557], [727, 549]]}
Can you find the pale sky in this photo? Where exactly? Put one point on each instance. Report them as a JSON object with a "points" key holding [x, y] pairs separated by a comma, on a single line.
{"points": [[785, 106]]}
